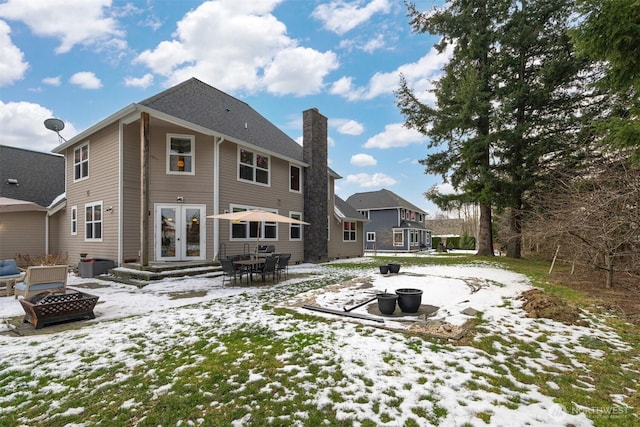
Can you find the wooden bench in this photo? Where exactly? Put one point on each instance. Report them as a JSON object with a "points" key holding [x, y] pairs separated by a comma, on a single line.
{"points": [[42, 278]]}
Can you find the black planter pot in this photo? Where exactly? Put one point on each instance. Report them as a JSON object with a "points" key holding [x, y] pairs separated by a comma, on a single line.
{"points": [[394, 268], [387, 303], [384, 269], [409, 299]]}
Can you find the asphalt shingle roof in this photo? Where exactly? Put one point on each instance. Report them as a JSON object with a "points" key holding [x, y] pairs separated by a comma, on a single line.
{"points": [[40, 176], [381, 199], [201, 104], [347, 211]]}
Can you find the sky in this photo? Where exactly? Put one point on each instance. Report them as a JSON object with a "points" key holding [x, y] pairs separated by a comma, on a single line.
{"points": [[83, 60], [461, 379]]}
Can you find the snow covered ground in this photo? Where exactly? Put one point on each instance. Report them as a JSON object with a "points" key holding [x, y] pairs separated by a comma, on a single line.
{"points": [[124, 311]]}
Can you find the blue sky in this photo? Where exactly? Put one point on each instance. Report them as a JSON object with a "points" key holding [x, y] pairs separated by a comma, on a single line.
{"points": [[82, 60]]}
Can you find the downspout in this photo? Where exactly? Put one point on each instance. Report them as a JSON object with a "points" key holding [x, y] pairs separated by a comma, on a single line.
{"points": [[120, 183], [216, 197]]}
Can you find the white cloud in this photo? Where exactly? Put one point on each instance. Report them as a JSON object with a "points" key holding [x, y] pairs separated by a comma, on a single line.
{"points": [[363, 160], [239, 46], [347, 127], [299, 71], [366, 180], [72, 21], [52, 81], [86, 80], [141, 82], [12, 65], [22, 125], [340, 17], [420, 77], [395, 135]]}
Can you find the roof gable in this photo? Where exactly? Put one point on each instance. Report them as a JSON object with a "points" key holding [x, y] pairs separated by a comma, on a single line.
{"points": [[201, 104]]}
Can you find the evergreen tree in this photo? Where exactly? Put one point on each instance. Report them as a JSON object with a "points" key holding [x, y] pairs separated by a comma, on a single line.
{"points": [[542, 102], [463, 114], [609, 32], [509, 105]]}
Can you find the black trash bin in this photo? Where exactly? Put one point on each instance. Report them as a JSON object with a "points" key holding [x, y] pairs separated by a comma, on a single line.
{"points": [[92, 267]]}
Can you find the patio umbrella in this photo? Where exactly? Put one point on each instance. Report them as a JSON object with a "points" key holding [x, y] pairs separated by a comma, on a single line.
{"points": [[14, 205], [257, 215]]}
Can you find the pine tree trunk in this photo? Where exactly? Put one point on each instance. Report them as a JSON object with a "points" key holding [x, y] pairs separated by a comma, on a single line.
{"points": [[485, 233]]}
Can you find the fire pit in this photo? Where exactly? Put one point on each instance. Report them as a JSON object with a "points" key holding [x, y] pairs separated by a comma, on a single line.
{"points": [[53, 307]]}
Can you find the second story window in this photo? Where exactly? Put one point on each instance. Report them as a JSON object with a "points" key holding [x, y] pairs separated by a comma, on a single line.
{"points": [[180, 154], [253, 167], [295, 176], [81, 162]]}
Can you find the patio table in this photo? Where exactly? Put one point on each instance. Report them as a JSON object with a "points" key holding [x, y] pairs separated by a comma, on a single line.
{"points": [[250, 266]]}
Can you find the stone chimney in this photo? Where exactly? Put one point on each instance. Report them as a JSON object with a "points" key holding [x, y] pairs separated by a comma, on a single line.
{"points": [[316, 182]]}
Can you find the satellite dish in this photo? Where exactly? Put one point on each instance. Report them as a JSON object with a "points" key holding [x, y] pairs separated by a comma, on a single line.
{"points": [[53, 124]]}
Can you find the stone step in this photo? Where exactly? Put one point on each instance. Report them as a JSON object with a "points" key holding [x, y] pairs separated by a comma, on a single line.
{"points": [[139, 276]]}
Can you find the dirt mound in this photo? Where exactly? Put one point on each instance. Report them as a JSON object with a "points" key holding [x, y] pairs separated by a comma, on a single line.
{"points": [[539, 304]]}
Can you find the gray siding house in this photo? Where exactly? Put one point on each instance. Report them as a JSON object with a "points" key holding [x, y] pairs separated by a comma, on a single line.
{"points": [[140, 183], [27, 176], [395, 225]]}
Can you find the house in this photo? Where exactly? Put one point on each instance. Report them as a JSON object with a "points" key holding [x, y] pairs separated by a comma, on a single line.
{"points": [[346, 230], [140, 183], [394, 223], [29, 182]]}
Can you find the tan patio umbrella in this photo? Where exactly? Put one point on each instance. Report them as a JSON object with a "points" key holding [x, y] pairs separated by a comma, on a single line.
{"points": [[15, 205], [257, 215]]}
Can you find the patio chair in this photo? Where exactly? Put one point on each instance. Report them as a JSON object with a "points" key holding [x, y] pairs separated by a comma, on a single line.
{"points": [[230, 272], [266, 250], [269, 268], [283, 265], [9, 275]]}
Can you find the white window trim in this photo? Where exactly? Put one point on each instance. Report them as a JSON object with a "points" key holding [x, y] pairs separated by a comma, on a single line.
{"points": [[262, 226], [299, 191], [371, 236], [192, 139], [92, 204], [254, 166], [401, 232], [296, 215], [82, 178], [355, 232], [74, 220]]}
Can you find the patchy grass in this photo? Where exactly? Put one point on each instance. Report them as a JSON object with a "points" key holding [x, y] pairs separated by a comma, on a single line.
{"points": [[239, 361]]}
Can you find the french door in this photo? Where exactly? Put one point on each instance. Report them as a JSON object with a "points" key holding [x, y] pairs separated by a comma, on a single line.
{"points": [[180, 232]]}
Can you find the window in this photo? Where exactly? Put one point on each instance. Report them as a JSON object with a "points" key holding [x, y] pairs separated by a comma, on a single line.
{"points": [[365, 214], [295, 230], [398, 238], [74, 220], [253, 230], [295, 179], [81, 162], [349, 231], [253, 167], [371, 236], [180, 154], [93, 221]]}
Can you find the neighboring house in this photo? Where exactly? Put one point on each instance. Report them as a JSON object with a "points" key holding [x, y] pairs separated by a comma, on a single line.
{"points": [[140, 183], [27, 176], [394, 223], [446, 227]]}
